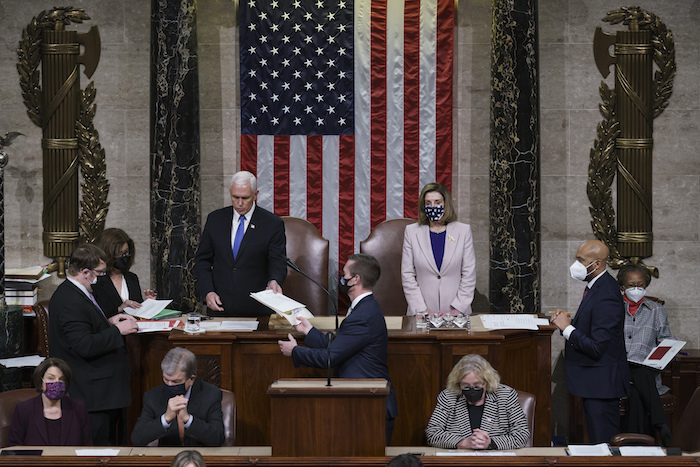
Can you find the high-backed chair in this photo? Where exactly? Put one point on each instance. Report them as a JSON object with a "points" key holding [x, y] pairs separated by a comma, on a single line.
{"points": [[228, 407], [385, 243], [41, 310], [8, 401], [527, 402], [309, 251]]}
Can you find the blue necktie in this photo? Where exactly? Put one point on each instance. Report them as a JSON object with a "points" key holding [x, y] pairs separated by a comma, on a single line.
{"points": [[239, 236]]}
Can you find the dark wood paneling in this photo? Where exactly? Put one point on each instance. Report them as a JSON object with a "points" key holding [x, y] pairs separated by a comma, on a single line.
{"points": [[419, 363]]}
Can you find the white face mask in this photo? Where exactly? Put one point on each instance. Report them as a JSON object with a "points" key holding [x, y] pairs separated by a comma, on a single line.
{"points": [[635, 294], [579, 271]]}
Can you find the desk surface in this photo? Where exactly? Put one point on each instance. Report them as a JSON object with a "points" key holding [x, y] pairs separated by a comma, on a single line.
{"points": [[259, 456]]}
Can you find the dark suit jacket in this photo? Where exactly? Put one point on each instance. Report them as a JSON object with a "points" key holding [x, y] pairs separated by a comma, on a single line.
{"points": [[595, 358], [108, 297], [207, 428], [358, 351], [92, 347], [29, 426], [261, 258]]}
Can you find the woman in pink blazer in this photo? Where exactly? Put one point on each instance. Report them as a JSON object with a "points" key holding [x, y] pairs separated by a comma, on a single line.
{"points": [[438, 267]]}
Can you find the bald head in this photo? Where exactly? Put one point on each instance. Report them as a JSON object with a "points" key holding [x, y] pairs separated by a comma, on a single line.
{"points": [[595, 249], [594, 255]]}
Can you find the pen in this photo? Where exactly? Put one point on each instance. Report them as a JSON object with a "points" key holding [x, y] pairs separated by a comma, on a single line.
{"points": [[683, 353]]}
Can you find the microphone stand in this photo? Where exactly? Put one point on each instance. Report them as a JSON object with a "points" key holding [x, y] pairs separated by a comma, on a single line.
{"points": [[335, 307], [330, 339], [296, 268]]}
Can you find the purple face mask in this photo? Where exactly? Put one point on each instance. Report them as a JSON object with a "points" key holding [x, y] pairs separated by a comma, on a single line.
{"points": [[55, 390]]}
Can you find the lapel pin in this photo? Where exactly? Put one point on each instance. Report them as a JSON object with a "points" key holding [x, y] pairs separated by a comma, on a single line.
{"points": [[252, 226], [450, 238]]}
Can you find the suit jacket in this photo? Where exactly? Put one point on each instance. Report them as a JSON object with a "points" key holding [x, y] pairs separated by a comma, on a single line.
{"points": [[92, 347], [595, 358], [358, 351], [207, 428], [29, 426], [426, 287], [108, 297], [261, 258], [503, 419]]}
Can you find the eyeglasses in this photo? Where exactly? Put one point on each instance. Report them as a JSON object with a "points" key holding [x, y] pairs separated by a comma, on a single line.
{"points": [[123, 254], [98, 272]]}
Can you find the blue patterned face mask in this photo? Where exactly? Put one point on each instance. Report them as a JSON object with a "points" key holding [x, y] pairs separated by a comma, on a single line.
{"points": [[434, 213]]}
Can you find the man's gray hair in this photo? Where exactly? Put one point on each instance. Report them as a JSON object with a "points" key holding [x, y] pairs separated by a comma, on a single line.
{"points": [[243, 178], [179, 359]]}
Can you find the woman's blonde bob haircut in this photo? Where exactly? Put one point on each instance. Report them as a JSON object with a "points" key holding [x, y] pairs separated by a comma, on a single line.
{"points": [[473, 364]]}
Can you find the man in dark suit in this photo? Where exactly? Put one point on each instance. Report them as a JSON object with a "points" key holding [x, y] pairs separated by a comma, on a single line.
{"points": [[594, 356], [92, 344], [183, 411], [360, 348], [242, 250]]}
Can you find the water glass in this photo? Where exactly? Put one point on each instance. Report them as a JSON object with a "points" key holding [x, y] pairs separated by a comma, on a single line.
{"points": [[422, 320], [192, 324], [449, 320]]}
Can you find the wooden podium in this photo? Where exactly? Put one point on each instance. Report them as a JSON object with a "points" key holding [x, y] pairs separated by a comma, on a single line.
{"points": [[310, 419]]}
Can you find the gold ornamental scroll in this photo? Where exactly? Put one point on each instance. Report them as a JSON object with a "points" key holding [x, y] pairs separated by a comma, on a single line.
{"points": [[69, 141], [625, 142]]}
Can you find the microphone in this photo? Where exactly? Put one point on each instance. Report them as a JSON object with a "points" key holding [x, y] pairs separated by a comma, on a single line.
{"points": [[328, 363], [296, 268]]}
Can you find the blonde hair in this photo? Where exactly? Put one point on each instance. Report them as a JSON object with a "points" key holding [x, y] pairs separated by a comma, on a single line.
{"points": [[473, 364]]}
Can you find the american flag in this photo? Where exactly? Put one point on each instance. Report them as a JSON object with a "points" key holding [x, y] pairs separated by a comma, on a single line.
{"points": [[346, 109]]}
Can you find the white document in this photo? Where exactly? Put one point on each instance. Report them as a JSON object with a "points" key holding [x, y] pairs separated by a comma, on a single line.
{"points": [[97, 452], [149, 308], [512, 321], [155, 326], [289, 309], [251, 325], [495, 452], [601, 449], [19, 362], [642, 451], [662, 354], [455, 452]]}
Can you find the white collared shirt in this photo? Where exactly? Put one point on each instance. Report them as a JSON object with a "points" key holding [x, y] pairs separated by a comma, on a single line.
{"points": [[80, 286], [234, 225], [356, 301]]}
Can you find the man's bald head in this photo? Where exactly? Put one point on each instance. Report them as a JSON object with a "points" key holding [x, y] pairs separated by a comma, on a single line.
{"points": [[590, 252], [595, 249]]}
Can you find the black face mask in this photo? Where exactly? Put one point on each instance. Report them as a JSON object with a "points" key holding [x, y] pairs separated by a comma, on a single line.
{"points": [[122, 263], [176, 390], [343, 285], [473, 395]]}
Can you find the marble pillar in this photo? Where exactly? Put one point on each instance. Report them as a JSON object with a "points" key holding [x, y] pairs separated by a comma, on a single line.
{"points": [[175, 156], [514, 272]]}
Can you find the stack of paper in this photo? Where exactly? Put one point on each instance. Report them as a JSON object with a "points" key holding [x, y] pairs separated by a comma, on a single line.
{"points": [[289, 309], [150, 309]]}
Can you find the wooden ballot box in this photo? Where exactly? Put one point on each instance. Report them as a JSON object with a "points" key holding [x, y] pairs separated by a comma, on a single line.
{"points": [[311, 419]]}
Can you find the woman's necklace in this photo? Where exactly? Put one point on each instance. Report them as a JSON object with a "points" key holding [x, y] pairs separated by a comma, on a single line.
{"points": [[438, 228]]}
